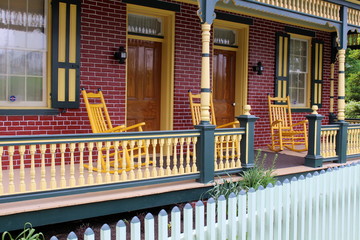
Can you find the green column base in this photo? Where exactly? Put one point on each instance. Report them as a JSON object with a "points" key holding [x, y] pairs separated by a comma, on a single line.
{"points": [[314, 161]]}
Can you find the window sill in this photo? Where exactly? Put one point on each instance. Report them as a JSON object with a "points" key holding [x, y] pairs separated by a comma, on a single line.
{"points": [[301, 110], [28, 112]]}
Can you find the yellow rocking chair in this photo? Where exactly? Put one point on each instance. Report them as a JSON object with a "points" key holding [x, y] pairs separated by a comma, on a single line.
{"points": [[100, 123], [195, 107], [283, 132]]}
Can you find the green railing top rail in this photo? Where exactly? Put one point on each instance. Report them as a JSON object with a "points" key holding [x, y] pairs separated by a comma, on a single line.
{"points": [[94, 137]]}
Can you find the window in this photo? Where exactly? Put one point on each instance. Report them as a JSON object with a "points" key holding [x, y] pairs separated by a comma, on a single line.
{"points": [[298, 74], [299, 69], [23, 53]]}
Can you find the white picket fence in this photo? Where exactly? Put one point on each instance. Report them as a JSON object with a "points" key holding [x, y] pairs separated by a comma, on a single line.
{"points": [[324, 205]]}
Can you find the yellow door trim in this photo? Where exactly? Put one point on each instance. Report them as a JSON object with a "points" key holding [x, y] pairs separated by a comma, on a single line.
{"points": [[167, 59], [241, 70]]}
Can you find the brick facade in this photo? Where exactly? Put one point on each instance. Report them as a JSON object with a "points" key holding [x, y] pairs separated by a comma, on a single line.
{"points": [[103, 30]]}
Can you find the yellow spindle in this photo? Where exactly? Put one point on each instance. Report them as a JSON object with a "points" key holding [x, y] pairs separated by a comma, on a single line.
{"points": [[131, 173], [175, 169], [139, 162], [238, 162], [233, 154], [154, 170], [62, 165], [187, 167], [161, 159], [81, 147], [107, 162], [221, 162], [90, 178], [32, 168], [43, 183], [53, 183], [11, 150], [227, 155], [124, 175], [1, 171], [168, 150], [72, 165], [22, 169], [194, 166], [181, 169], [116, 176], [99, 162], [147, 159]]}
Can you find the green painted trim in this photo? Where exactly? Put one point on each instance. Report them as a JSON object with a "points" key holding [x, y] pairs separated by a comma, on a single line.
{"points": [[156, 4], [65, 214], [247, 141], [205, 54], [92, 137], [28, 112], [277, 59], [341, 141], [301, 110], [97, 188], [233, 18], [206, 90], [224, 45], [313, 157], [300, 31], [205, 152]]}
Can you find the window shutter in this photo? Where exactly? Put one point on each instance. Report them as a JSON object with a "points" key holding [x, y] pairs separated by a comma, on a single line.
{"points": [[317, 72], [65, 70], [282, 64]]}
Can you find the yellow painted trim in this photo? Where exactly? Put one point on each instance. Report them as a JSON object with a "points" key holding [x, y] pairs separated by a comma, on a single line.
{"points": [[285, 57], [72, 85], [145, 38], [48, 56], [167, 59], [242, 58], [61, 84], [62, 32], [72, 37], [308, 80]]}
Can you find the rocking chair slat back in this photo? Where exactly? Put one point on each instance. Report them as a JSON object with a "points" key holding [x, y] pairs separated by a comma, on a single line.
{"points": [[195, 106], [282, 129]]}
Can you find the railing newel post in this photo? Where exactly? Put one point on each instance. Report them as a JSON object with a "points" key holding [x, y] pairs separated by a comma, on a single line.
{"points": [[313, 157], [341, 141], [247, 149], [205, 152]]}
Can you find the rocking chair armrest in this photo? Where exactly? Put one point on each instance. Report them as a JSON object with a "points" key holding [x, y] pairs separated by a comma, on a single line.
{"points": [[229, 125], [276, 122], [138, 126], [115, 129], [300, 123]]}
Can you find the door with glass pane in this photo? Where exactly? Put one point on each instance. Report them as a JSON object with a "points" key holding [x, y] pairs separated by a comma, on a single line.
{"points": [[224, 85], [143, 83]]}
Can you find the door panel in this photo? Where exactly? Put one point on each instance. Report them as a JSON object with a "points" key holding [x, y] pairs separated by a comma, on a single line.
{"points": [[224, 85], [143, 83]]}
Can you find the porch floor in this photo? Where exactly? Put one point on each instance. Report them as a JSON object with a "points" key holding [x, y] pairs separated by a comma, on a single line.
{"points": [[288, 163]]}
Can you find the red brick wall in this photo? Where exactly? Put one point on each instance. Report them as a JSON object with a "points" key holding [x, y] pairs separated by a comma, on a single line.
{"points": [[103, 30]]}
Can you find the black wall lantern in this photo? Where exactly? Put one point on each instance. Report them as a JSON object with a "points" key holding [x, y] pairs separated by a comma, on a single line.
{"points": [[120, 55], [259, 68]]}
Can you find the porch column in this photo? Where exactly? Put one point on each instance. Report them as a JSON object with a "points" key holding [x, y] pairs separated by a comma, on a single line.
{"points": [[205, 74], [332, 116], [341, 86]]}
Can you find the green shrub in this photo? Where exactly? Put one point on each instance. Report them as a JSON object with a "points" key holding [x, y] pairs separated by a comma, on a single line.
{"points": [[352, 109], [27, 234], [252, 178]]}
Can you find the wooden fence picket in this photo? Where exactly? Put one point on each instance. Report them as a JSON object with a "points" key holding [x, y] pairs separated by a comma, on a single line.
{"points": [[321, 206]]}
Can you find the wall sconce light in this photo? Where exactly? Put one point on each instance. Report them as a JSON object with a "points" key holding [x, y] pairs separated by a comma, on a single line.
{"points": [[120, 55], [259, 68]]}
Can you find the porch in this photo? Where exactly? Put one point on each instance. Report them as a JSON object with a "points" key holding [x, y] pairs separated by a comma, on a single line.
{"points": [[67, 177]]}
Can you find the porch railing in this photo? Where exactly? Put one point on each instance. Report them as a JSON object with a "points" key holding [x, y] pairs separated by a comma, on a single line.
{"points": [[319, 8], [335, 142], [57, 162]]}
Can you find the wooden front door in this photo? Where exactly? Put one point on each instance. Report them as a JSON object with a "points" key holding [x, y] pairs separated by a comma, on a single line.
{"points": [[143, 83], [224, 86]]}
